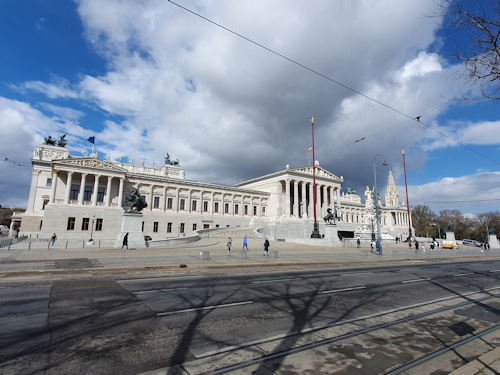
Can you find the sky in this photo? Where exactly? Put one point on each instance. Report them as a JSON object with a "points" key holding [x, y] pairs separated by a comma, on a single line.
{"points": [[229, 88]]}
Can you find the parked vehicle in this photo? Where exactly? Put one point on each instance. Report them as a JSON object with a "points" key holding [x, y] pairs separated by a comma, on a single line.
{"points": [[450, 245], [471, 243]]}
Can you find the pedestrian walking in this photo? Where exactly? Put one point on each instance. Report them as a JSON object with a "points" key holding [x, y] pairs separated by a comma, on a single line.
{"points": [[266, 247], [371, 244], [423, 248], [245, 243], [53, 239], [416, 246], [229, 243], [125, 241], [358, 242]]}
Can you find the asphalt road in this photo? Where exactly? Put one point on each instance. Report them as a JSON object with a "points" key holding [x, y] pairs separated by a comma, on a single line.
{"points": [[363, 321]]}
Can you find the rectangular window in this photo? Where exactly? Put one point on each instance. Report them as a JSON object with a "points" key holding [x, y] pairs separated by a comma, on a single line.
{"points": [[205, 206], [206, 226], [41, 224], [155, 227], [193, 206], [181, 228], [194, 227], [246, 209], [226, 208], [87, 194], [169, 227], [100, 194], [73, 195], [263, 210], [49, 181], [85, 223], [156, 203], [71, 223], [169, 203], [255, 210], [236, 209], [181, 204], [98, 224], [45, 202], [216, 207]]}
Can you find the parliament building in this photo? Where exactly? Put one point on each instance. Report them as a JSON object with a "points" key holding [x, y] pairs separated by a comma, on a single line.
{"points": [[73, 196]]}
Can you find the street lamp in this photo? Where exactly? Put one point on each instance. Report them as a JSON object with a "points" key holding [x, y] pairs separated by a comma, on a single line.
{"points": [[92, 229], [439, 229], [379, 239]]}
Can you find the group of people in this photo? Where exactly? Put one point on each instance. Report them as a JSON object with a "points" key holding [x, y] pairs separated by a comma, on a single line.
{"points": [[434, 246], [245, 245]]}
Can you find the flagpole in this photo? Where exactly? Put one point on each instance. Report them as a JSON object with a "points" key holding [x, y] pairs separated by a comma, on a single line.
{"points": [[407, 200], [315, 233]]}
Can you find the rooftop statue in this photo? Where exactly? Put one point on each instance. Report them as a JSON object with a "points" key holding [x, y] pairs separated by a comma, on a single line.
{"points": [[137, 202], [62, 141], [49, 141], [349, 191], [170, 162]]}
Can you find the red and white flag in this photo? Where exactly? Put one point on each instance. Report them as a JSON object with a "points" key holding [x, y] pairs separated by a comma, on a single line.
{"points": [[310, 148]]}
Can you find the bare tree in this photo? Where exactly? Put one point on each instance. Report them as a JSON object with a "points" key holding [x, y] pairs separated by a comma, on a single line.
{"points": [[475, 25]]}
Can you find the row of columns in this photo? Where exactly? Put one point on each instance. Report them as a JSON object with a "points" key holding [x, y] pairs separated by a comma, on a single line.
{"points": [[163, 198], [330, 194]]}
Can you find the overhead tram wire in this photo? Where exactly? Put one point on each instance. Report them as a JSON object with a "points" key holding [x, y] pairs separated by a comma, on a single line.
{"points": [[417, 119]]}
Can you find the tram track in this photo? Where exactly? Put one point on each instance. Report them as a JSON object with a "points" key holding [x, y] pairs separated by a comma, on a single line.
{"points": [[414, 314]]}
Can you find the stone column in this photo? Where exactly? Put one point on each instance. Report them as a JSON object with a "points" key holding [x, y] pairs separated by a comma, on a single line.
{"points": [[82, 188], [54, 185], [338, 201], [33, 188], [232, 205], [189, 203], [212, 203], [310, 211], [164, 199], [68, 187], [296, 199], [177, 199], [287, 198], [151, 200], [108, 191], [120, 193], [96, 189], [279, 195], [304, 200]]}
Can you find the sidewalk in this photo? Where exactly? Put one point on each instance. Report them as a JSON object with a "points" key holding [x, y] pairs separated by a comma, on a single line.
{"points": [[42, 263]]}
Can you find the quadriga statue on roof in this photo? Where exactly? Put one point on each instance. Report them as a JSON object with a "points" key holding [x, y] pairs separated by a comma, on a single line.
{"points": [[137, 203], [170, 162]]}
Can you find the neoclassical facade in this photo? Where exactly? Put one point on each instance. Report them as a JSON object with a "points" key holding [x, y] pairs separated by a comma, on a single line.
{"points": [[75, 196]]}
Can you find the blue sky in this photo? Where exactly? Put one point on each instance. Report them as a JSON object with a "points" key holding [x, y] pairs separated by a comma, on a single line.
{"points": [[146, 78]]}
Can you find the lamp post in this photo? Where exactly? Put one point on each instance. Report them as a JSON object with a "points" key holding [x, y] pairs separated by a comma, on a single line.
{"points": [[439, 229], [92, 229], [379, 239]]}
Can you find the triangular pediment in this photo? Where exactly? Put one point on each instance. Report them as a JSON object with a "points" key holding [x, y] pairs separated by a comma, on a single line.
{"points": [[320, 172], [92, 163]]}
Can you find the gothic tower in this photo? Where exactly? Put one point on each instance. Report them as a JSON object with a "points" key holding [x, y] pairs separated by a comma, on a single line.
{"points": [[391, 195]]}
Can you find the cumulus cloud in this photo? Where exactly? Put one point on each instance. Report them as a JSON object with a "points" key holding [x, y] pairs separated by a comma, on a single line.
{"points": [[231, 110]]}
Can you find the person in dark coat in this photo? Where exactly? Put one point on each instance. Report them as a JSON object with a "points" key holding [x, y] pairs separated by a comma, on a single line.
{"points": [[125, 241], [266, 247]]}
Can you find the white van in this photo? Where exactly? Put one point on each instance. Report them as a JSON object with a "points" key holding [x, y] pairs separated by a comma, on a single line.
{"points": [[450, 245], [471, 243]]}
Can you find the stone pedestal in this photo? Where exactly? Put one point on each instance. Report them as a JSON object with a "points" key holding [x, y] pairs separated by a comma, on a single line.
{"points": [[131, 224], [450, 236], [493, 241], [331, 235]]}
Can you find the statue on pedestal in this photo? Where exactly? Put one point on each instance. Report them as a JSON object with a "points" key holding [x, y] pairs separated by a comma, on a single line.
{"points": [[330, 217], [137, 202]]}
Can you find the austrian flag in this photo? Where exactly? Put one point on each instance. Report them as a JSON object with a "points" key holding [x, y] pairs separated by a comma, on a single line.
{"points": [[310, 148]]}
